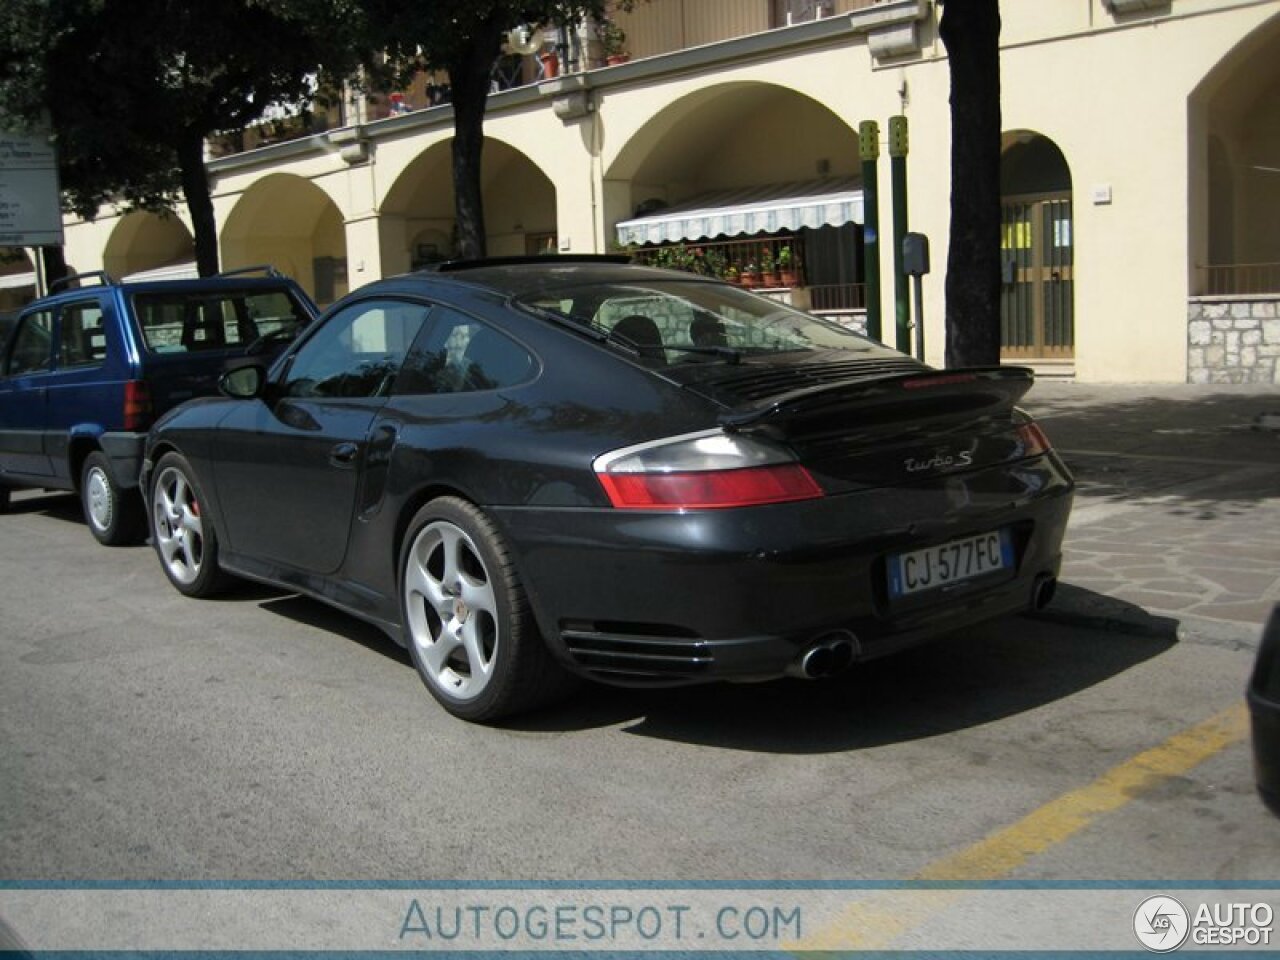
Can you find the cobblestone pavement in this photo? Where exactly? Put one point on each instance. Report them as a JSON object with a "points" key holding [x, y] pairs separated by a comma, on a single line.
{"points": [[1177, 513]]}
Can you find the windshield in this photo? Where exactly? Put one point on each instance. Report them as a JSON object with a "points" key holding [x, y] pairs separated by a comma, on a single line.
{"points": [[673, 321]]}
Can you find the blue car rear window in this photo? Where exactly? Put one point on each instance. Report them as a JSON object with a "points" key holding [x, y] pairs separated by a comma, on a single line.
{"points": [[188, 322]]}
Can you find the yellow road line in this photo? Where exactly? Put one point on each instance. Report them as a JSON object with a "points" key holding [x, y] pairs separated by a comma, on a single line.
{"points": [[1006, 850], [880, 919]]}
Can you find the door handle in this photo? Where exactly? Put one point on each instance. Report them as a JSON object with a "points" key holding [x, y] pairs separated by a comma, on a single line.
{"points": [[344, 454]]}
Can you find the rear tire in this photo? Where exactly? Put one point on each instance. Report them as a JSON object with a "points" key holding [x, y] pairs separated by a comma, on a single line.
{"points": [[182, 531], [4, 499], [114, 514], [467, 620]]}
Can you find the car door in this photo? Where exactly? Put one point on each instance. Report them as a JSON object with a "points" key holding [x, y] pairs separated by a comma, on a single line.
{"points": [[26, 374], [288, 469], [84, 398]]}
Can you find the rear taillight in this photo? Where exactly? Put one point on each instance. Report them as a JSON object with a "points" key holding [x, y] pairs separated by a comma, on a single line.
{"points": [[705, 471], [138, 411], [1033, 440]]}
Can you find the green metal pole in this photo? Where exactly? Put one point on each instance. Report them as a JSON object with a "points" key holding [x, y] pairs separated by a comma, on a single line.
{"points": [[898, 174], [869, 149]]}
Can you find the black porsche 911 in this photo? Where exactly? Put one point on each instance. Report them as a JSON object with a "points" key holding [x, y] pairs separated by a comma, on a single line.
{"points": [[524, 470]]}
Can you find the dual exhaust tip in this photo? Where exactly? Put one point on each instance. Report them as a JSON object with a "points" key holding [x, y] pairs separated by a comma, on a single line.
{"points": [[830, 654], [834, 652]]}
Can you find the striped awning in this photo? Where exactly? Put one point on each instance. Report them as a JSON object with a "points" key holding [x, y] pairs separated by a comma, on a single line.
{"points": [[750, 210], [185, 270]]}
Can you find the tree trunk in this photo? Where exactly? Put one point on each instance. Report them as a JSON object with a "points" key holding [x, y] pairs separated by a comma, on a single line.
{"points": [[470, 75], [54, 262], [195, 190], [971, 31]]}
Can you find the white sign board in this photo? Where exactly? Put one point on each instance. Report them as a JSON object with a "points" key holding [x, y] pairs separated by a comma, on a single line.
{"points": [[30, 211]]}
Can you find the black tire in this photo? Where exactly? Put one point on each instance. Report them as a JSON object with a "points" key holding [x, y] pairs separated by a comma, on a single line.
{"points": [[467, 620], [4, 499], [182, 532], [115, 515]]}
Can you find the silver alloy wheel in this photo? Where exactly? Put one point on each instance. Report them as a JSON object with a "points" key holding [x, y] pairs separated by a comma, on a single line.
{"points": [[452, 611], [98, 499], [179, 531]]}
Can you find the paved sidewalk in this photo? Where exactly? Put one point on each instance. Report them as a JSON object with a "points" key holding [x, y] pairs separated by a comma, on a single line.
{"points": [[1177, 517]]}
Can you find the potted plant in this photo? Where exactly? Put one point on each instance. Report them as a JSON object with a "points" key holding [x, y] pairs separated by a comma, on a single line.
{"points": [[613, 43], [714, 263], [550, 63], [751, 274], [788, 275], [768, 268]]}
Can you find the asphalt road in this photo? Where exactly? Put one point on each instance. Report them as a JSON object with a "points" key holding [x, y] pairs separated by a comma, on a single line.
{"points": [[263, 736]]}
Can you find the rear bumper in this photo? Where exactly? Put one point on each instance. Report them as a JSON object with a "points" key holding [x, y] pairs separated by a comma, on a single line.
{"points": [[637, 597]]}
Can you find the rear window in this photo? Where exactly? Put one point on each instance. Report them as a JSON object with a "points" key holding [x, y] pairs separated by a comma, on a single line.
{"points": [[192, 321], [677, 321]]}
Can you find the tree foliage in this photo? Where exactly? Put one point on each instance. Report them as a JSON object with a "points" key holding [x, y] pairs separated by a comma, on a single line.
{"points": [[971, 31], [132, 88]]}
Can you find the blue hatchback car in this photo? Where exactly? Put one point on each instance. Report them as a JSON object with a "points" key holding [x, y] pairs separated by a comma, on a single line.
{"points": [[85, 372]]}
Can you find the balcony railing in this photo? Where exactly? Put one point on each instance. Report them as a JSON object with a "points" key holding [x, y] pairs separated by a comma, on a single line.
{"points": [[838, 297], [650, 29], [1241, 279], [666, 26]]}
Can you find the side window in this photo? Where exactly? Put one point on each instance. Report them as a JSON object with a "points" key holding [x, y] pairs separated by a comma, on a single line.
{"points": [[192, 321], [358, 352], [458, 354], [82, 338], [32, 345]]}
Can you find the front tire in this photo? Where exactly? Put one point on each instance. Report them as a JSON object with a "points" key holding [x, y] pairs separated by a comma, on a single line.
{"points": [[114, 515], [182, 530], [467, 620]]}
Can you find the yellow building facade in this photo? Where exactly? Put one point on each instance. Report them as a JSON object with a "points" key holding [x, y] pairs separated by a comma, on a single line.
{"points": [[1141, 172]]}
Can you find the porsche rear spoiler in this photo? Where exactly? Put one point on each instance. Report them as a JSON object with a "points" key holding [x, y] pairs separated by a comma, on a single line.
{"points": [[968, 393]]}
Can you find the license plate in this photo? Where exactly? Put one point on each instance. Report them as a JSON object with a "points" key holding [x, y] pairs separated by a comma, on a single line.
{"points": [[932, 567]]}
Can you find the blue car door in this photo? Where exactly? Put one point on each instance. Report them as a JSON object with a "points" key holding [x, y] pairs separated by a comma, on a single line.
{"points": [[25, 378], [86, 397]]}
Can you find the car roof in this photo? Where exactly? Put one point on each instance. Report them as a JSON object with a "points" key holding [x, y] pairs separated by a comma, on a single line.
{"points": [[525, 276], [235, 280]]}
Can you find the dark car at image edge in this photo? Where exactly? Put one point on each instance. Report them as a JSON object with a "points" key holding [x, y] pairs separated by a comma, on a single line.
{"points": [[530, 469]]}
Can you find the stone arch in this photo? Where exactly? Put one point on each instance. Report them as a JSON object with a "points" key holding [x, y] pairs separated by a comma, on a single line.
{"points": [[777, 175], [1234, 150], [1031, 163], [418, 211], [290, 223], [712, 139], [143, 241], [1037, 300]]}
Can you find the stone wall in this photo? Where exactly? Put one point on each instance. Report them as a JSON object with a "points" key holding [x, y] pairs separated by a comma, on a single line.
{"points": [[1234, 340]]}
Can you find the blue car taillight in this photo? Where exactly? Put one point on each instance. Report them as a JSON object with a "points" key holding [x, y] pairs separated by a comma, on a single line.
{"points": [[138, 409]]}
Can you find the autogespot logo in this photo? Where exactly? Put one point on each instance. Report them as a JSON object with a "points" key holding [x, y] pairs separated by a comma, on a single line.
{"points": [[1161, 924]]}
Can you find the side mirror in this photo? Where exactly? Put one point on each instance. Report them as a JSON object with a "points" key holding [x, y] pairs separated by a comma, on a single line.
{"points": [[244, 383]]}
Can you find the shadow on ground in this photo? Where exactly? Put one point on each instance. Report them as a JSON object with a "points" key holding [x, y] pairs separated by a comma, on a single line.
{"points": [[966, 680], [1126, 445], [56, 505]]}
